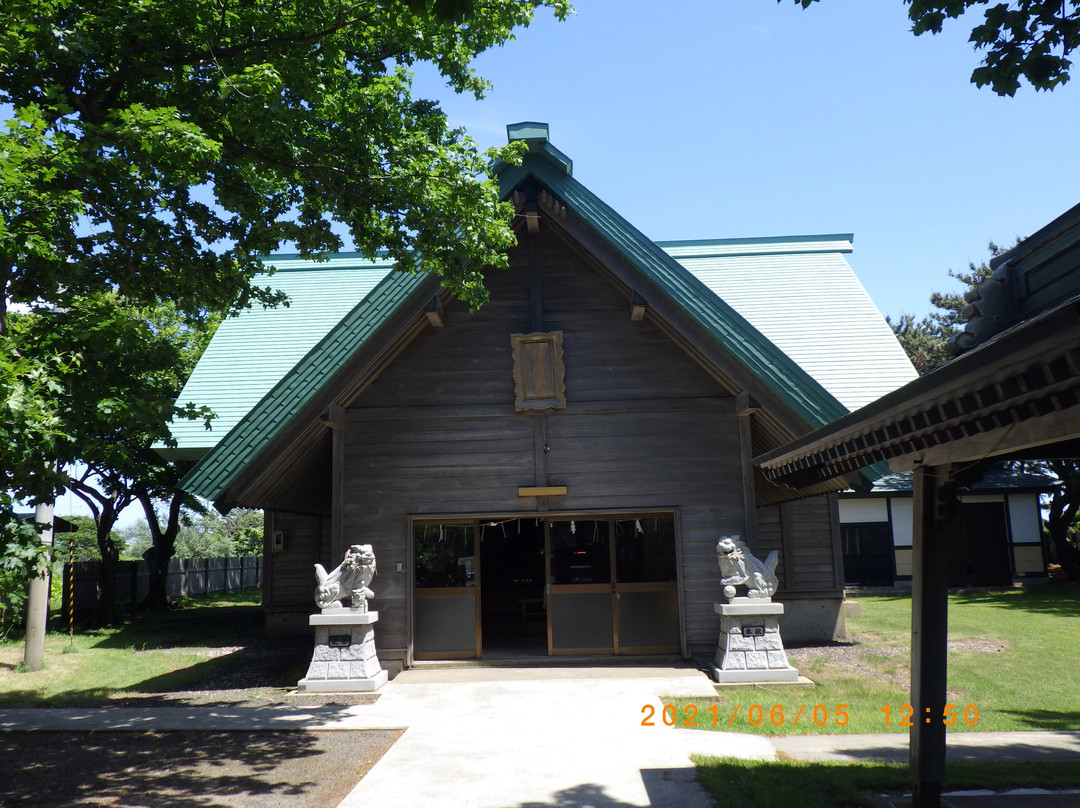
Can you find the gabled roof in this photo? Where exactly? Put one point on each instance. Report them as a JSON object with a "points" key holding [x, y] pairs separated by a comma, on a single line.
{"points": [[286, 399], [255, 349], [800, 293], [250, 359], [792, 385]]}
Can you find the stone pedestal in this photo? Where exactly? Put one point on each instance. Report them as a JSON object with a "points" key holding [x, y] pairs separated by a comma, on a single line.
{"points": [[344, 657], [750, 648]]}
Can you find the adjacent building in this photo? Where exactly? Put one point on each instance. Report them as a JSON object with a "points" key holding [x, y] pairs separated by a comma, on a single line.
{"points": [[999, 540]]}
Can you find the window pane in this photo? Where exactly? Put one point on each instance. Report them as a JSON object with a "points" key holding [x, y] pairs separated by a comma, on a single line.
{"points": [[579, 552], [444, 555], [645, 549]]}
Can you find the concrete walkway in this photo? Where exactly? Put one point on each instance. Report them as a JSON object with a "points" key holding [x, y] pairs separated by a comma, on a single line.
{"points": [[546, 738], [571, 738]]}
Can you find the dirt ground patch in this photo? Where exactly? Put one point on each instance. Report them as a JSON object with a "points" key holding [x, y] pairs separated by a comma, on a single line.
{"points": [[257, 769], [885, 663], [236, 697]]}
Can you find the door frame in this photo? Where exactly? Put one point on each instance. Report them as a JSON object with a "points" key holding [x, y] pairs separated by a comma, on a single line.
{"points": [[587, 514]]}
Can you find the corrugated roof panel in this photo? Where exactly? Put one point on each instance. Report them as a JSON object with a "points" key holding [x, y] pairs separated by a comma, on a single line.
{"points": [[812, 307], [262, 367], [300, 384], [251, 352]]}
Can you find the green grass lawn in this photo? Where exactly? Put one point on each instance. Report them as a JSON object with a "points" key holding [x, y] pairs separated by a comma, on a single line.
{"points": [[1013, 654], [782, 784], [1014, 658], [147, 653]]}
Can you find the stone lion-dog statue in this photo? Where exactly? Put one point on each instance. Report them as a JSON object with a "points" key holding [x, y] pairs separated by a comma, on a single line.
{"points": [[349, 580], [738, 567]]}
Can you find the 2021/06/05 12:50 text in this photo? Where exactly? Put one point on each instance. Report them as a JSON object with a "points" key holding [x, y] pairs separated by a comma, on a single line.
{"points": [[818, 714]]}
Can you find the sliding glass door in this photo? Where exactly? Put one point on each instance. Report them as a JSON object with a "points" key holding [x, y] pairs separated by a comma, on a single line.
{"points": [[613, 586], [446, 592], [599, 584], [581, 619]]}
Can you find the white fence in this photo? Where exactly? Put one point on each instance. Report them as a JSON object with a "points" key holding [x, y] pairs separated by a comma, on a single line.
{"points": [[187, 576]]}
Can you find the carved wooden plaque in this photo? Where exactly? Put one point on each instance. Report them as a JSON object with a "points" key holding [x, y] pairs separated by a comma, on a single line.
{"points": [[538, 371]]}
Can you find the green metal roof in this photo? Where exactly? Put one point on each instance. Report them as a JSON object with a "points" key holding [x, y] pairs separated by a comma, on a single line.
{"points": [[252, 351], [1000, 478], [804, 297], [264, 366], [761, 358], [212, 475]]}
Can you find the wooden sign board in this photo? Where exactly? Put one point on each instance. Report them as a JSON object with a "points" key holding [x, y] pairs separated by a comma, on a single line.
{"points": [[538, 371]]}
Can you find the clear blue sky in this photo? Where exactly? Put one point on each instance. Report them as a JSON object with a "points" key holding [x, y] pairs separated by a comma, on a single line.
{"points": [[741, 118]]}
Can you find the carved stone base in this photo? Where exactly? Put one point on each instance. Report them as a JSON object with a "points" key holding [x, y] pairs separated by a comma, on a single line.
{"points": [[750, 648], [344, 659]]}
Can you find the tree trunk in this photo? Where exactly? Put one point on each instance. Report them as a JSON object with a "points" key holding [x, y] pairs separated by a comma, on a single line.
{"points": [[105, 612], [1064, 505], [157, 596], [162, 550]]}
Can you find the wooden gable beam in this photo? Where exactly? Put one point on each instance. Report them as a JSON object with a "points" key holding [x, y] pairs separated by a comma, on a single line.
{"points": [[435, 312]]}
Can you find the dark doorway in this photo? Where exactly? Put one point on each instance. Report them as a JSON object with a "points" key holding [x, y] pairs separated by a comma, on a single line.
{"points": [[868, 554], [512, 614], [979, 556]]}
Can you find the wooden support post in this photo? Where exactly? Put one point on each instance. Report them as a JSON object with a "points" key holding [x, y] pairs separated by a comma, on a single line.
{"points": [[336, 422], [540, 448], [536, 280], [935, 507], [746, 461]]}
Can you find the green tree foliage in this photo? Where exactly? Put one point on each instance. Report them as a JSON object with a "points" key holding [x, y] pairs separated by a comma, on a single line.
{"points": [[203, 535], [242, 528], [1028, 40], [22, 556], [117, 402], [80, 544], [135, 539], [30, 421], [155, 148], [289, 116], [925, 340]]}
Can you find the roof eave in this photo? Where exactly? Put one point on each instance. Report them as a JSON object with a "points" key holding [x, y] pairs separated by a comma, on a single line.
{"points": [[999, 384]]}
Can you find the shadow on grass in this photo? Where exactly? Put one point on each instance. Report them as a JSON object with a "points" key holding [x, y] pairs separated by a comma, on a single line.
{"points": [[185, 769], [196, 627], [1047, 720], [1055, 599], [807, 785], [264, 663], [838, 785]]}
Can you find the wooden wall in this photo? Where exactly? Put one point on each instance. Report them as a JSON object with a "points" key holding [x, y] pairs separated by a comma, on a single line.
{"points": [[289, 582], [645, 428], [806, 535]]}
